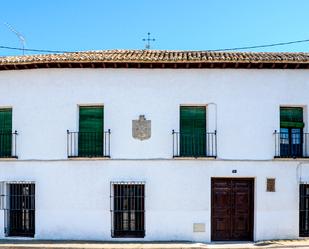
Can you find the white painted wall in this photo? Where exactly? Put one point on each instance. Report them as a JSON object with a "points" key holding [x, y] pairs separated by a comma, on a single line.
{"points": [[72, 197], [45, 104]]}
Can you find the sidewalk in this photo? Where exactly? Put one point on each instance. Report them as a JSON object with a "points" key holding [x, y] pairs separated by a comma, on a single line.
{"points": [[31, 244]]}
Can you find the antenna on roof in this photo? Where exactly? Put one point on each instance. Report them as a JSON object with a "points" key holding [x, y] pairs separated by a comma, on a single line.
{"points": [[148, 40], [21, 38]]}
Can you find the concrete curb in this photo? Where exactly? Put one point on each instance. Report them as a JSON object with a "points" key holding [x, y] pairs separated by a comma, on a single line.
{"points": [[22, 244]]}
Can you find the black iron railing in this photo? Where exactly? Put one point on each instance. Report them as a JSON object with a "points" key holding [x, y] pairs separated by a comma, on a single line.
{"points": [[291, 145], [88, 144], [8, 144], [194, 145]]}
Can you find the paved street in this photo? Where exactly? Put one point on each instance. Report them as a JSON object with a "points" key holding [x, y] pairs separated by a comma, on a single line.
{"points": [[18, 244]]}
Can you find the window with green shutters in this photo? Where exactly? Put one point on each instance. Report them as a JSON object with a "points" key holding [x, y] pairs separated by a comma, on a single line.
{"points": [[91, 131], [6, 132], [193, 131], [291, 117], [291, 131]]}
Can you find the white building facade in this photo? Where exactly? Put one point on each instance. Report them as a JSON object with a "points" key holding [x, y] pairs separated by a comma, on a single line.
{"points": [[245, 179]]}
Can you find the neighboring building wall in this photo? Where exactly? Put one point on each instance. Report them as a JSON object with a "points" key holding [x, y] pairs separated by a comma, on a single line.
{"points": [[72, 196]]}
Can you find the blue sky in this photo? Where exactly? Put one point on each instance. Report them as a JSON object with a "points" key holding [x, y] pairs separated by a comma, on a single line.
{"points": [[75, 25]]}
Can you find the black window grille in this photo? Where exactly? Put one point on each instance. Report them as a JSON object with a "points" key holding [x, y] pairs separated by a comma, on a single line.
{"points": [[18, 202], [304, 210], [128, 209]]}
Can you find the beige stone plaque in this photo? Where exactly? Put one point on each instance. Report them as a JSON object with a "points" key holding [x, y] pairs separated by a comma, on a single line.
{"points": [[141, 128], [198, 227], [270, 184]]}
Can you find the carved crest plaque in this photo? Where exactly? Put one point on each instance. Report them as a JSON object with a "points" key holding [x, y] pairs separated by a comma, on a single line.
{"points": [[141, 128]]}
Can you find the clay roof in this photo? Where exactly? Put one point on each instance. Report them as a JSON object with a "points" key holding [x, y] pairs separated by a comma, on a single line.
{"points": [[155, 58]]}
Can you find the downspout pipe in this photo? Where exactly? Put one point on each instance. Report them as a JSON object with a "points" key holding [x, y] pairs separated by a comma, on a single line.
{"points": [[299, 168]]}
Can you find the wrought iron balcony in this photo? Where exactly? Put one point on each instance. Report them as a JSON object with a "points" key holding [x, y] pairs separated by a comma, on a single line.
{"points": [[291, 144], [8, 144], [88, 144], [194, 145]]}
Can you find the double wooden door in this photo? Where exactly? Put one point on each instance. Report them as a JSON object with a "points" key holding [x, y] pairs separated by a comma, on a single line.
{"points": [[232, 209]]}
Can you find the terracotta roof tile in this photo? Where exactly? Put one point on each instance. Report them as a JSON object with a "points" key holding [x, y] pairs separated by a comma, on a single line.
{"points": [[157, 56]]}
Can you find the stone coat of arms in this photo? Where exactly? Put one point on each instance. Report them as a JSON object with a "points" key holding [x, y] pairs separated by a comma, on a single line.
{"points": [[141, 128]]}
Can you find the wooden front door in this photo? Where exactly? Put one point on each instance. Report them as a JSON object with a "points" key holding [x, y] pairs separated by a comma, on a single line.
{"points": [[232, 209]]}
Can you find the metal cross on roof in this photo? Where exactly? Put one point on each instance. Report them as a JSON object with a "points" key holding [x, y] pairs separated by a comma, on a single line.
{"points": [[148, 40]]}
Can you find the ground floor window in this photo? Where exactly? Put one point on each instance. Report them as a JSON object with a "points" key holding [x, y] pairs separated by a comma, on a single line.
{"points": [[18, 203], [128, 209], [304, 210]]}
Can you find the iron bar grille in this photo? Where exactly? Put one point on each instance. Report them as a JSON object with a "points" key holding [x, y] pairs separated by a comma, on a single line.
{"points": [[88, 144], [304, 210], [291, 145], [8, 144], [194, 145], [18, 202], [128, 209]]}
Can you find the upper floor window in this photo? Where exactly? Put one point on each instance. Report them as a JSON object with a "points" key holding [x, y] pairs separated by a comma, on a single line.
{"points": [[90, 140], [193, 131], [291, 139], [7, 137], [91, 127], [193, 140]]}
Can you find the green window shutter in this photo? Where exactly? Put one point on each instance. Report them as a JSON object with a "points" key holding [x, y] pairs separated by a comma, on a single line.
{"points": [[6, 132], [291, 117], [91, 131], [193, 131]]}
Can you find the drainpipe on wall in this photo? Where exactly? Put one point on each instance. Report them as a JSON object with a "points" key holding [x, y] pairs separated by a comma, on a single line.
{"points": [[216, 115], [299, 171]]}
